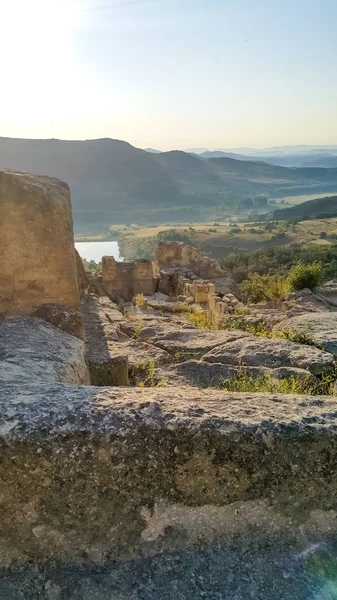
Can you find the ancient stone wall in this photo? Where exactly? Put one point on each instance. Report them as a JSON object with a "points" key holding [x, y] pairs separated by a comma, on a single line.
{"points": [[125, 280], [37, 254], [198, 290], [220, 306], [177, 254]]}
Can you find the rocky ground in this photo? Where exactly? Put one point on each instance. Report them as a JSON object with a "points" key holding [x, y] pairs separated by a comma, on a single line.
{"points": [[165, 342], [161, 490], [232, 573]]}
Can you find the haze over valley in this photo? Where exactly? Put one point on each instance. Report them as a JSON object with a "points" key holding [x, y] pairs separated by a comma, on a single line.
{"points": [[113, 182]]}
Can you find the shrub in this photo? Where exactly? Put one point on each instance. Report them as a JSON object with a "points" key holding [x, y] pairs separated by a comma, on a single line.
{"points": [[245, 382], [200, 319], [262, 288], [260, 329], [140, 300], [299, 337], [303, 276]]}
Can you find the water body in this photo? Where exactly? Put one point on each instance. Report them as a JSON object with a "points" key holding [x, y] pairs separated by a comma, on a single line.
{"points": [[95, 250]]}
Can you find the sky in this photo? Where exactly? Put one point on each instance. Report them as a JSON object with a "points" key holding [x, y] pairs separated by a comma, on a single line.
{"points": [[170, 74]]}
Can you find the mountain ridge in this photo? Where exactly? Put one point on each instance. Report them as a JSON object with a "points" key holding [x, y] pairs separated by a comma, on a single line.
{"points": [[111, 181]]}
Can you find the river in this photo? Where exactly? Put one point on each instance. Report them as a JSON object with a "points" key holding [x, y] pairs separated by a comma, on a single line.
{"points": [[95, 250]]}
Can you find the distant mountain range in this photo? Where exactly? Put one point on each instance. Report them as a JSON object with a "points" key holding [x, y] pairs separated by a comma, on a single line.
{"points": [[114, 182], [283, 156], [316, 158], [272, 151]]}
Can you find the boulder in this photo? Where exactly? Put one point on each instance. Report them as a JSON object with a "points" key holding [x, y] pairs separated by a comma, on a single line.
{"points": [[253, 351], [304, 301], [320, 327], [328, 293], [63, 318], [37, 254], [33, 349]]}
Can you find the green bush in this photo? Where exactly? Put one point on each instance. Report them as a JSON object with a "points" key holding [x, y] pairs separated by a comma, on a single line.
{"points": [[262, 288], [268, 261], [303, 276]]}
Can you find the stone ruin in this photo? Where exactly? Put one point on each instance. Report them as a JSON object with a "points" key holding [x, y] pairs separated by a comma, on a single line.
{"points": [[154, 492], [178, 270], [127, 279]]}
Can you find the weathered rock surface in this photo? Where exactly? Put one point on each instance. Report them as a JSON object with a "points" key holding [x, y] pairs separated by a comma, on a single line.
{"points": [[320, 327], [182, 338], [305, 301], [328, 292], [95, 474], [82, 279], [114, 348], [62, 317], [207, 375], [37, 254], [239, 571], [101, 318], [252, 351], [33, 349]]}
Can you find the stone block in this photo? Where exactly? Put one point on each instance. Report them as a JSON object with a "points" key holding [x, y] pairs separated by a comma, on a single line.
{"points": [[37, 254]]}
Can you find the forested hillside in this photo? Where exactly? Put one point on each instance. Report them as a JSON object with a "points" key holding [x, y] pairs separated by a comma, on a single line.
{"points": [[113, 182]]}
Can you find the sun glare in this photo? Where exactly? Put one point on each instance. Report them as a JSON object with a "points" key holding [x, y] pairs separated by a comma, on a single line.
{"points": [[39, 16], [36, 43], [36, 29]]}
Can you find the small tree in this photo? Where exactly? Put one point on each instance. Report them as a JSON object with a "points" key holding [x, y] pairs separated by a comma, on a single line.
{"points": [[303, 276]]}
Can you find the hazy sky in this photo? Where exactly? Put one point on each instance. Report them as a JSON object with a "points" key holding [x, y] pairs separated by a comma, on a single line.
{"points": [[170, 73]]}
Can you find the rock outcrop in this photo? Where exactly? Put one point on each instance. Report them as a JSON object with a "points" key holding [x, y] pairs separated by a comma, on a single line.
{"points": [[37, 255], [252, 351], [32, 350], [96, 474], [320, 328], [62, 317]]}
